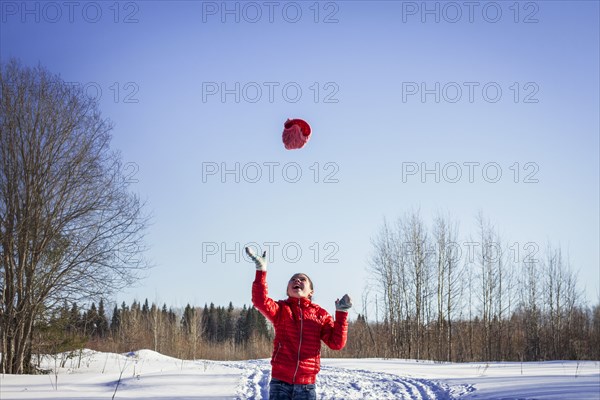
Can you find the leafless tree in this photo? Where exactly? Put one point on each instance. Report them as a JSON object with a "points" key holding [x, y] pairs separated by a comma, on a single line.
{"points": [[561, 296], [419, 251], [531, 304], [448, 268], [492, 275], [70, 228], [386, 265]]}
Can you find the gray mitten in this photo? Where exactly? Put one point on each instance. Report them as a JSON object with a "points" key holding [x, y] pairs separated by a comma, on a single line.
{"points": [[260, 262], [344, 304]]}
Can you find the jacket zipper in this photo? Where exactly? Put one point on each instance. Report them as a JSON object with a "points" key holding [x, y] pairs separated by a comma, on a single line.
{"points": [[300, 344], [277, 352]]}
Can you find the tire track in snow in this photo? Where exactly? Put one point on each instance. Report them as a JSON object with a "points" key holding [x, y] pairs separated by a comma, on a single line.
{"points": [[342, 383], [335, 383], [254, 381]]}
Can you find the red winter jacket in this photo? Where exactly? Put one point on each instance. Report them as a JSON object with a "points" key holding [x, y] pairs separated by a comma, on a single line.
{"points": [[300, 325]]}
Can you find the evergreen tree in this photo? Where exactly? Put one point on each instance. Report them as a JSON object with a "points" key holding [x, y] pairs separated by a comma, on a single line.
{"points": [[91, 321], [250, 323], [209, 326], [172, 317], [74, 322], [204, 322], [220, 331], [262, 328], [188, 319], [102, 324], [241, 333], [115, 323], [145, 308], [228, 323]]}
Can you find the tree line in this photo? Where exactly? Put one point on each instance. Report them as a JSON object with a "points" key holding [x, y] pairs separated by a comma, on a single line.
{"points": [[441, 297], [228, 333], [212, 332]]}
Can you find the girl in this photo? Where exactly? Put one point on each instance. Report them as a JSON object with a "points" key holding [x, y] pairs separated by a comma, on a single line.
{"points": [[300, 325]]}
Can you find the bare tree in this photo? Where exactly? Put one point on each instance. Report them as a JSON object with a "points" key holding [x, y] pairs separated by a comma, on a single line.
{"points": [[387, 269], [445, 235], [414, 236], [490, 280], [561, 296], [69, 226], [530, 294]]}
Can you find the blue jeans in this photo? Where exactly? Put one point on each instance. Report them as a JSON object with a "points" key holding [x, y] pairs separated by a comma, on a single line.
{"points": [[279, 390]]}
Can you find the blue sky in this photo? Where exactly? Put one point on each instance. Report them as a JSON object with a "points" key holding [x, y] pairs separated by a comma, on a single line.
{"points": [[528, 102]]}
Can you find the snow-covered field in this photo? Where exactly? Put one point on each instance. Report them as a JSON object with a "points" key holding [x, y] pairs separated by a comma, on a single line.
{"points": [[148, 375]]}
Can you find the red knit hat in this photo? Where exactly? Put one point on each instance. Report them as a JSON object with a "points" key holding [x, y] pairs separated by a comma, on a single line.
{"points": [[296, 133]]}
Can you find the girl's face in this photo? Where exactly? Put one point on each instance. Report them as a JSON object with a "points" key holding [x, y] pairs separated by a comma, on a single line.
{"points": [[299, 287]]}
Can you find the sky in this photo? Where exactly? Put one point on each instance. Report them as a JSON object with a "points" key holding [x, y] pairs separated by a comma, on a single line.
{"points": [[441, 107]]}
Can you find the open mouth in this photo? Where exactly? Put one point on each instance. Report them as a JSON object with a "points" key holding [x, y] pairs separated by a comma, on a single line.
{"points": [[297, 287]]}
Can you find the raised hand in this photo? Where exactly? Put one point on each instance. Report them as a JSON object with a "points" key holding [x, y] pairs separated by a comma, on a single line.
{"points": [[344, 304], [260, 262]]}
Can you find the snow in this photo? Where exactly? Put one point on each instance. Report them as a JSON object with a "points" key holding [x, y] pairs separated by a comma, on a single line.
{"points": [[146, 375]]}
